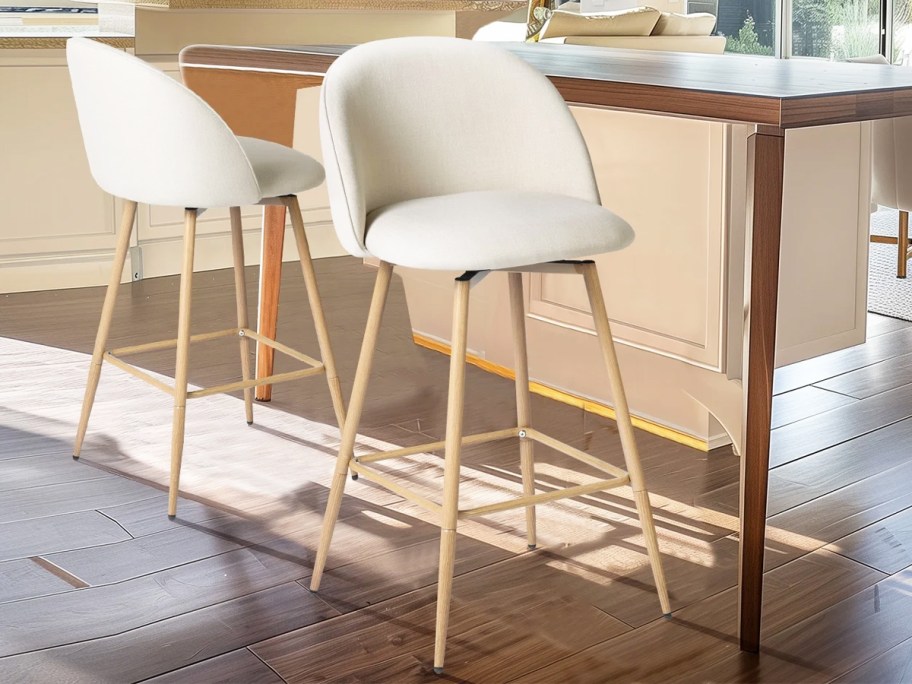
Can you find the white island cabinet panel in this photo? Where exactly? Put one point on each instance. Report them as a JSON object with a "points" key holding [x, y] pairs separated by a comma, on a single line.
{"points": [[56, 226]]}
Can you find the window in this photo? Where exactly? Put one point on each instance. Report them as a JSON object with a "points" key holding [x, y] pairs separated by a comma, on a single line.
{"points": [[823, 29]]}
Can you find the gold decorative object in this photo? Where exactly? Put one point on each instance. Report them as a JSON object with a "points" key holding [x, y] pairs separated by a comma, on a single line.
{"points": [[539, 13]]}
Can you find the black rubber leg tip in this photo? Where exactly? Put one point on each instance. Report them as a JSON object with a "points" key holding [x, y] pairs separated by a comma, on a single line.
{"points": [[75, 457], [438, 670], [354, 476], [667, 616], [171, 517], [531, 547], [249, 422]]}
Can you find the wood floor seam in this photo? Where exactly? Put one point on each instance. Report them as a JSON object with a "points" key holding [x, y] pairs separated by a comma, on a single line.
{"points": [[126, 531], [54, 569]]}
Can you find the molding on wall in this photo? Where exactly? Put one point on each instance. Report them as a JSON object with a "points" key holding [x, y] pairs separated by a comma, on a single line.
{"points": [[67, 270], [572, 399]]}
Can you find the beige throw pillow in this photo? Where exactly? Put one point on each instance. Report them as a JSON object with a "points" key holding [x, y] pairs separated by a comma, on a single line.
{"points": [[633, 22], [697, 24]]}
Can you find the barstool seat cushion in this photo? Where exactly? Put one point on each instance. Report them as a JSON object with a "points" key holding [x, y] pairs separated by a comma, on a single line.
{"points": [[475, 231], [280, 170]]}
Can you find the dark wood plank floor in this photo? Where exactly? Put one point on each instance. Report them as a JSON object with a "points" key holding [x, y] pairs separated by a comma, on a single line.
{"points": [[96, 585]]}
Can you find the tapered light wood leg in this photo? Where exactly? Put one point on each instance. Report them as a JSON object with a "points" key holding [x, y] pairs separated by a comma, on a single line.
{"points": [[104, 326], [625, 428], [903, 244], [240, 292], [449, 515], [183, 353], [523, 399], [316, 308], [350, 426]]}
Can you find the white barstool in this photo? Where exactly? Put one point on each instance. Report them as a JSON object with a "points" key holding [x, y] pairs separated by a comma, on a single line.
{"points": [[151, 140], [890, 186], [450, 155]]}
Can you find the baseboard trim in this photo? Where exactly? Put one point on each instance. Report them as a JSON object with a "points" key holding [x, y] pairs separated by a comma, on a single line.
{"points": [[567, 397]]}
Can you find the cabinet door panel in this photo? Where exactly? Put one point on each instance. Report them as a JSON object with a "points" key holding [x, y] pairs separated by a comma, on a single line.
{"points": [[48, 200], [665, 176]]}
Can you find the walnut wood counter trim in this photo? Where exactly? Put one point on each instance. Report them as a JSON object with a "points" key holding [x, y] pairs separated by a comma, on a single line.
{"points": [[675, 101], [344, 5], [274, 60]]}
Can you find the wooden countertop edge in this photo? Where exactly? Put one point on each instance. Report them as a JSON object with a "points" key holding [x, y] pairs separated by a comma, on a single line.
{"points": [[779, 112]]}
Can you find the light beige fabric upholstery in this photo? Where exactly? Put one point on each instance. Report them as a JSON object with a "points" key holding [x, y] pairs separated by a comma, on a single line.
{"points": [[704, 44], [488, 230], [869, 59], [633, 22], [891, 154], [510, 28], [280, 170], [416, 118], [513, 28], [151, 140], [696, 24]]}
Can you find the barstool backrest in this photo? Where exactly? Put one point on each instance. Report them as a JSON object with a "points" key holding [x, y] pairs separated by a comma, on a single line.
{"points": [[151, 140], [407, 118]]}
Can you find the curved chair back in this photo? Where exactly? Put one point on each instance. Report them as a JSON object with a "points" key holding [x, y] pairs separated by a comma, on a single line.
{"points": [[151, 140], [407, 118], [891, 155], [891, 163]]}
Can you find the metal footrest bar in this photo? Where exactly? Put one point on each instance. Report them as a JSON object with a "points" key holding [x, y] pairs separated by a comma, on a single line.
{"points": [[573, 452], [137, 373], [285, 349], [395, 487], [556, 495], [172, 343], [479, 438], [358, 465], [256, 382], [315, 367]]}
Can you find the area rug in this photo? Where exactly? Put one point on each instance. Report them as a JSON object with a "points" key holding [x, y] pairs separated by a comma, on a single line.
{"points": [[887, 294]]}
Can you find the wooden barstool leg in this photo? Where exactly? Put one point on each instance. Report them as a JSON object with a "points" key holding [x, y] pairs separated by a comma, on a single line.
{"points": [[523, 403], [316, 308], [104, 326], [183, 353], [625, 428], [902, 244], [240, 293], [450, 512], [350, 427]]}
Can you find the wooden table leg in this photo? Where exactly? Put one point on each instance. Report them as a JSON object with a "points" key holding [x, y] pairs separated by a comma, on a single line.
{"points": [[768, 152], [270, 283]]}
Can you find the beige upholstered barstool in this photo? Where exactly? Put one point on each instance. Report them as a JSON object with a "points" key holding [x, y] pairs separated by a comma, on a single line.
{"points": [[151, 140], [450, 155], [891, 173]]}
